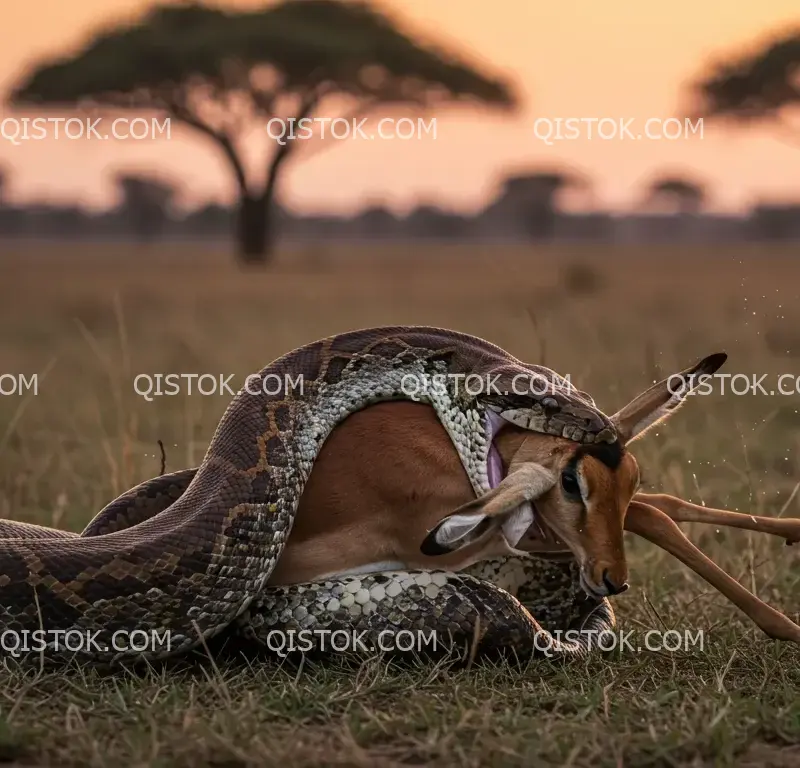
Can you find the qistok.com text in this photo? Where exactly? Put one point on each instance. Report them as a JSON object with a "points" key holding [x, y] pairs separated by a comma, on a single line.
{"points": [[418, 386], [18, 384], [632, 641], [735, 384], [84, 641], [284, 642], [149, 385]]}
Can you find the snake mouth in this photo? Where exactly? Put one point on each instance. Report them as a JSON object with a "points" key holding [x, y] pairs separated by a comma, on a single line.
{"points": [[494, 465], [538, 539]]}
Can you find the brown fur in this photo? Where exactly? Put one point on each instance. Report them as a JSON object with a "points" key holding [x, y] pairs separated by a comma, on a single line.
{"points": [[384, 477], [595, 534], [388, 475]]}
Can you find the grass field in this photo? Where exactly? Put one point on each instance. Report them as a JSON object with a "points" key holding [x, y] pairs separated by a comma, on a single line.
{"points": [[88, 319]]}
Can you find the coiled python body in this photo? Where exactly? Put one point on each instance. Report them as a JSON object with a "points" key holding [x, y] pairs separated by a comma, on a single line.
{"points": [[190, 554]]}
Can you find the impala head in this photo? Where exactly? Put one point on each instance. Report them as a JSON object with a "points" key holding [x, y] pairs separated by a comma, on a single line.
{"points": [[562, 498]]}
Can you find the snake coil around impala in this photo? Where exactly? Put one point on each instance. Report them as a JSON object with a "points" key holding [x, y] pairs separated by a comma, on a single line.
{"points": [[190, 553]]}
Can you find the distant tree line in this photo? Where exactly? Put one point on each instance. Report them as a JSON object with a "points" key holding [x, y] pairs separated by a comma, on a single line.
{"points": [[528, 207]]}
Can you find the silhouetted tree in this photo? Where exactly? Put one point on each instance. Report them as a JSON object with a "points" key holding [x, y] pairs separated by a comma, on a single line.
{"points": [[222, 72], [211, 219], [376, 221], [535, 198], [146, 203], [9, 220], [677, 193], [759, 86], [431, 221], [775, 222]]}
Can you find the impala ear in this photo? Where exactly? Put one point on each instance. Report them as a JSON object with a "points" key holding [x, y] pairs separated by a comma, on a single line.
{"points": [[662, 399], [507, 506]]}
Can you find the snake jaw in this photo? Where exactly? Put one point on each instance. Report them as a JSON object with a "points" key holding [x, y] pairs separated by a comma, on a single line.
{"points": [[526, 522], [493, 422]]}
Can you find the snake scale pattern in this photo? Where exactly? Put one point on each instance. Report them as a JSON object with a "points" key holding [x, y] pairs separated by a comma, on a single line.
{"points": [[190, 553]]}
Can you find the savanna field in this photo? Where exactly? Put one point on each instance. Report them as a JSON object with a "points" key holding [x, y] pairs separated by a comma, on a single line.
{"points": [[87, 319]]}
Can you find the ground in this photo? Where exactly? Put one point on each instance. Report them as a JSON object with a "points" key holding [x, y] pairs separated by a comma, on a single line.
{"points": [[89, 319]]}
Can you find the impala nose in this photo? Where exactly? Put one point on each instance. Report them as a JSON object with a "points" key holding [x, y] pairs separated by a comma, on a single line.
{"points": [[613, 589]]}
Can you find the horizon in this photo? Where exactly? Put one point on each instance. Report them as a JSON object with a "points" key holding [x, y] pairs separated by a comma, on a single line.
{"points": [[462, 168]]}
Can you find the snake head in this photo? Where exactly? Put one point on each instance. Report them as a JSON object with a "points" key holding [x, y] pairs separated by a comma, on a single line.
{"points": [[539, 399]]}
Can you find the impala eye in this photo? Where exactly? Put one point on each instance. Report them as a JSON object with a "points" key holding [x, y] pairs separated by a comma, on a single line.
{"points": [[569, 482]]}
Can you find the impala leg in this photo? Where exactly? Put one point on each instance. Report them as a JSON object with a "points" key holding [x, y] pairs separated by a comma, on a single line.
{"points": [[684, 512], [656, 526]]}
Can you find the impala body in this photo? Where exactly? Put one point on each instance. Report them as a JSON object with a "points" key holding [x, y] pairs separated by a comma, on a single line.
{"points": [[388, 477]]}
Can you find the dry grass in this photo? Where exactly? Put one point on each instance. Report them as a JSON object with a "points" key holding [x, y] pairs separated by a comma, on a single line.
{"points": [[89, 319]]}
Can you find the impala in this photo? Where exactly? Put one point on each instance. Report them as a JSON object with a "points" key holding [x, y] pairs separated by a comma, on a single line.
{"points": [[388, 492]]}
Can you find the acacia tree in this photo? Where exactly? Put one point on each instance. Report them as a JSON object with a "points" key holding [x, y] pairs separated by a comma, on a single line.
{"points": [[223, 72], [761, 86]]}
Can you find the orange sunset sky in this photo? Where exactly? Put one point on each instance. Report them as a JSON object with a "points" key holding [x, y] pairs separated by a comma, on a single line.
{"points": [[582, 58]]}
